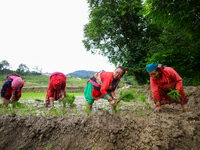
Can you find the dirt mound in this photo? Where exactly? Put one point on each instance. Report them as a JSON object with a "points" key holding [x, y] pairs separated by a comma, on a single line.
{"points": [[171, 129]]}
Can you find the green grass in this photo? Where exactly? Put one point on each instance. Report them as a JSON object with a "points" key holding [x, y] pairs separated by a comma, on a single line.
{"points": [[42, 95], [41, 80]]}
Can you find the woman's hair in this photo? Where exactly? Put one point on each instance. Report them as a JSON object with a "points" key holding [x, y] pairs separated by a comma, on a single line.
{"points": [[121, 68]]}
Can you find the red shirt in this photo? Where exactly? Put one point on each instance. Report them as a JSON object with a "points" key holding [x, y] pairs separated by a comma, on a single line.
{"points": [[169, 78], [107, 84]]}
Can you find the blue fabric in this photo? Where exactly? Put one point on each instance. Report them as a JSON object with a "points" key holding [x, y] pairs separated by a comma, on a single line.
{"points": [[152, 67]]}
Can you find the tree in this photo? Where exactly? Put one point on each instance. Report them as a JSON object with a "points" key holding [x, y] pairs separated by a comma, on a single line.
{"points": [[36, 70], [22, 68], [175, 50], [183, 15], [117, 30], [5, 65]]}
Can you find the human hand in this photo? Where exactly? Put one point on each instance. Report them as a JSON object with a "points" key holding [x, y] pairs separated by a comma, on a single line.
{"points": [[112, 102], [116, 98], [158, 109], [11, 100]]}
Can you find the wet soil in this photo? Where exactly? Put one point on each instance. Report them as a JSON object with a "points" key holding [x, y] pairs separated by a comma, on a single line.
{"points": [[127, 130]]}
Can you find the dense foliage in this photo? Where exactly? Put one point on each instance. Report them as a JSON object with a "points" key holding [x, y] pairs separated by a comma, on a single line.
{"points": [[134, 34], [117, 30]]}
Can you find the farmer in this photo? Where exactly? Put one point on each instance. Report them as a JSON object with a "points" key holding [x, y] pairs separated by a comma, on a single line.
{"points": [[162, 80], [11, 89], [103, 85], [56, 88]]}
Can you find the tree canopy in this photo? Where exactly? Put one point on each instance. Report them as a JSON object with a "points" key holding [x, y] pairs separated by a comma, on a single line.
{"points": [[118, 30], [134, 34]]}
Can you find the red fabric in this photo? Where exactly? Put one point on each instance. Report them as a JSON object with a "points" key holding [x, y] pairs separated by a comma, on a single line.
{"points": [[52, 92], [107, 81], [160, 87], [9, 93], [58, 73]]}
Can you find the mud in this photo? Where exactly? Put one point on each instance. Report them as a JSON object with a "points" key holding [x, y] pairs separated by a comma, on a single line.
{"points": [[172, 129]]}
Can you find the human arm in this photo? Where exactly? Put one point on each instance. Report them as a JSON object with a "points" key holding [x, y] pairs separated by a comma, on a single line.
{"points": [[51, 94], [114, 96], [156, 94], [12, 98]]}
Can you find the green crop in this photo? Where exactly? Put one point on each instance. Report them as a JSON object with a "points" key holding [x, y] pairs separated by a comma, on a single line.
{"points": [[174, 95], [18, 104], [143, 98], [69, 99], [127, 96]]}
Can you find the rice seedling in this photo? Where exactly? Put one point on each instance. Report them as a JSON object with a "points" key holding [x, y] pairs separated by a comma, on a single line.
{"points": [[21, 146], [87, 110], [94, 146], [23, 112], [12, 110], [38, 100], [143, 98], [127, 96], [136, 113], [117, 107], [67, 113], [48, 145], [75, 110], [174, 95], [127, 110], [19, 105], [69, 99], [56, 112], [6, 111], [1, 112]]}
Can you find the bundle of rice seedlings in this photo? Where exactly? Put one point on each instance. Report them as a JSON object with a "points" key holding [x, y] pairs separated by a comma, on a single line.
{"points": [[69, 99], [174, 95], [127, 96]]}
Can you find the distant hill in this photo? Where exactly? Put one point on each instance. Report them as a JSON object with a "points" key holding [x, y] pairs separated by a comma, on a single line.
{"points": [[82, 73]]}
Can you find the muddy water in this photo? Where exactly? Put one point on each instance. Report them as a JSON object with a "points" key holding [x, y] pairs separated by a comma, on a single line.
{"points": [[79, 107]]}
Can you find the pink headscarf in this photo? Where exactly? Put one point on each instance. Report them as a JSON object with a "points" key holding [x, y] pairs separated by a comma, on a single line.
{"points": [[17, 81]]}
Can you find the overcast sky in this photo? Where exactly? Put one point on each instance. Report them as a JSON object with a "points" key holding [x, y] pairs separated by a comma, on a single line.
{"points": [[47, 34]]}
